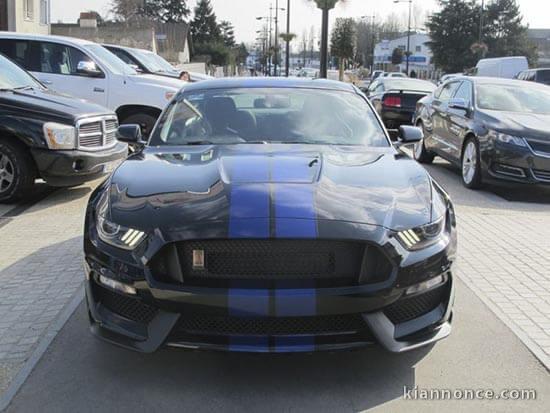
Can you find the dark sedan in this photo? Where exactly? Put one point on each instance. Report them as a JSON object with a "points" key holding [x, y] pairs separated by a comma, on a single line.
{"points": [[395, 98], [270, 215], [492, 128]]}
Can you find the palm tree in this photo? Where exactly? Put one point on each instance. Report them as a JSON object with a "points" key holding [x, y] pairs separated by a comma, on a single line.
{"points": [[325, 6], [287, 38]]}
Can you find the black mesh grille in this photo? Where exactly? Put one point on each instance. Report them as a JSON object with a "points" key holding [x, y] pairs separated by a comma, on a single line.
{"points": [[540, 146], [542, 175], [410, 308], [274, 259], [131, 308], [218, 325]]}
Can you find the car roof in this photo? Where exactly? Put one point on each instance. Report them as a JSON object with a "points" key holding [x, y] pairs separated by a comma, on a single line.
{"points": [[45, 38], [117, 46], [484, 80], [270, 82]]}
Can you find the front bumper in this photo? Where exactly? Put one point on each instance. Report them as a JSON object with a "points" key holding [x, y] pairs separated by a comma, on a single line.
{"points": [[515, 164], [74, 167], [267, 320]]}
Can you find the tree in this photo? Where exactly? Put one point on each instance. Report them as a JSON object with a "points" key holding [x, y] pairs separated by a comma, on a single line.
{"points": [[397, 56], [204, 27], [125, 10], [166, 11], [454, 33], [342, 43], [453, 30], [228, 33], [241, 54]]}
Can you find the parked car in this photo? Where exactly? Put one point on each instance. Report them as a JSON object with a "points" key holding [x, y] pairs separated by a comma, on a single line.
{"points": [[505, 67], [376, 74], [262, 230], [535, 75], [144, 61], [64, 141], [88, 71], [393, 74], [395, 99], [491, 128], [447, 77]]}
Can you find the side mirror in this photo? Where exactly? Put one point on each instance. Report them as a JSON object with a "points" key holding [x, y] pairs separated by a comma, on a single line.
{"points": [[88, 68], [131, 134], [458, 103], [136, 68], [410, 134]]}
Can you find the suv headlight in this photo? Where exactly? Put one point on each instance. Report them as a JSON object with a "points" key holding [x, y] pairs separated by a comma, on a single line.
{"points": [[112, 233], [59, 136], [424, 236], [509, 139]]}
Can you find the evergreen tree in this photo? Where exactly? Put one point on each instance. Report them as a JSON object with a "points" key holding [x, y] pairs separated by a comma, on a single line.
{"points": [[343, 41], [204, 27], [166, 11], [227, 33]]}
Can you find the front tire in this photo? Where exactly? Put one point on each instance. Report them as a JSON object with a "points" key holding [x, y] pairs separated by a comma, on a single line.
{"points": [[471, 164], [420, 153], [17, 172], [144, 120]]}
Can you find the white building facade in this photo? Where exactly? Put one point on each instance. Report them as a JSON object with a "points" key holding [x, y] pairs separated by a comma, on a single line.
{"points": [[420, 59], [25, 16]]}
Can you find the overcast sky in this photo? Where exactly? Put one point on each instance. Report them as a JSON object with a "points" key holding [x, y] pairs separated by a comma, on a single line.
{"points": [[242, 13]]}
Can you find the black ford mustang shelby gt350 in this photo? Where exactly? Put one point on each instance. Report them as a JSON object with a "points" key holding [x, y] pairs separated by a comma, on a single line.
{"points": [[269, 215]]}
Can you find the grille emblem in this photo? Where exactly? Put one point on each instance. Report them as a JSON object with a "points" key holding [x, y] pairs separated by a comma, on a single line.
{"points": [[198, 259]]}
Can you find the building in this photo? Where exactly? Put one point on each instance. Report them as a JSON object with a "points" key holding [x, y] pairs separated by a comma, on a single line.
{"points": [[170, 40], [541, 38], [420, 59], [25, 16]]}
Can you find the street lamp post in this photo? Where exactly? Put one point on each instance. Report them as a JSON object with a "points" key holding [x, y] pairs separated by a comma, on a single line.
{"points": [[287, 48], [373, 40], [408, 31]]}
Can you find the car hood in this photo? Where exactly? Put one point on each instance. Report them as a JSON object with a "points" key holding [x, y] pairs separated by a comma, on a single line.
{"points": [[50, 105], [158, 81], [164, 187], [520, 124]]}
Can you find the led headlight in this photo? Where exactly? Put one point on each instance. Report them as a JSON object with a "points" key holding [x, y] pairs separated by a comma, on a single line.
{"points": [[112, 233], [422, 237], [512, 140], [59, 136]]}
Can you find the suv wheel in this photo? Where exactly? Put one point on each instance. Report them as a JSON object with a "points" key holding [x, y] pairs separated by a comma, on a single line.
{"points": [[420, 153], [144, 120], [471, 165], [17, 172]]}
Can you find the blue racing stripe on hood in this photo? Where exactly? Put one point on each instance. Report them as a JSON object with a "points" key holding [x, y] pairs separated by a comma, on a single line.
{"points": [[295, 215]]}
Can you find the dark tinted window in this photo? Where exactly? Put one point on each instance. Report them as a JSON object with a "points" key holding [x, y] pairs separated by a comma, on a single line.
{"points": [[122, 55], [464, 92], [60, 59], [17, 50], [543, 76]]}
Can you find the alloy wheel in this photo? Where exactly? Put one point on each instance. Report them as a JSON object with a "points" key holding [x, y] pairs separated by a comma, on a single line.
{"points": [[7, 173], [469, 162]]}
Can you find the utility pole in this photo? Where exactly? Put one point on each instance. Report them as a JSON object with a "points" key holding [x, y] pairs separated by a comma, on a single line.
{"points": [[408, 31], [287, 50], [276, 35], [323, 69]]}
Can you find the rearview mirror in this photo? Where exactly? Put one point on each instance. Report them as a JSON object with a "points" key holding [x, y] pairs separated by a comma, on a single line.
{"points": [[131, 134], [88, 68], [458, 103], [410, 134]]}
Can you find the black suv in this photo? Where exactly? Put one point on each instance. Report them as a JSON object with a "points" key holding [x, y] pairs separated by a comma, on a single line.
{"points": [[63, 140]]}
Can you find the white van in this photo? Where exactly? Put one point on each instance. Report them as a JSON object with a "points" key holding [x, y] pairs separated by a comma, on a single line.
{"points": [[505, 67], [87, 70]]}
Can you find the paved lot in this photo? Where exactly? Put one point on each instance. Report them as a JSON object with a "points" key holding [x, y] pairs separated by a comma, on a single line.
{"points": [[504, 260]]}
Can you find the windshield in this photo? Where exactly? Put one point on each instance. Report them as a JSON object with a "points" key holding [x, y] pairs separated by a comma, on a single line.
{"points": [[157, 62], [269, 115], [513, 98], [108, 59], [13, 77], [409, 84]]}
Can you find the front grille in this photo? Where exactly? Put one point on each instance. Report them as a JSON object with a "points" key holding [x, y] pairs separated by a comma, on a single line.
{"points": [[128, 307], [271, 263], [408, 309], [541, 147], [542, 175], [275, 326], [97, 133]]}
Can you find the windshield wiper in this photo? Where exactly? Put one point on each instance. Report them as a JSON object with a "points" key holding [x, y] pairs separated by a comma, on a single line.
{"points": [[26, 87]]}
